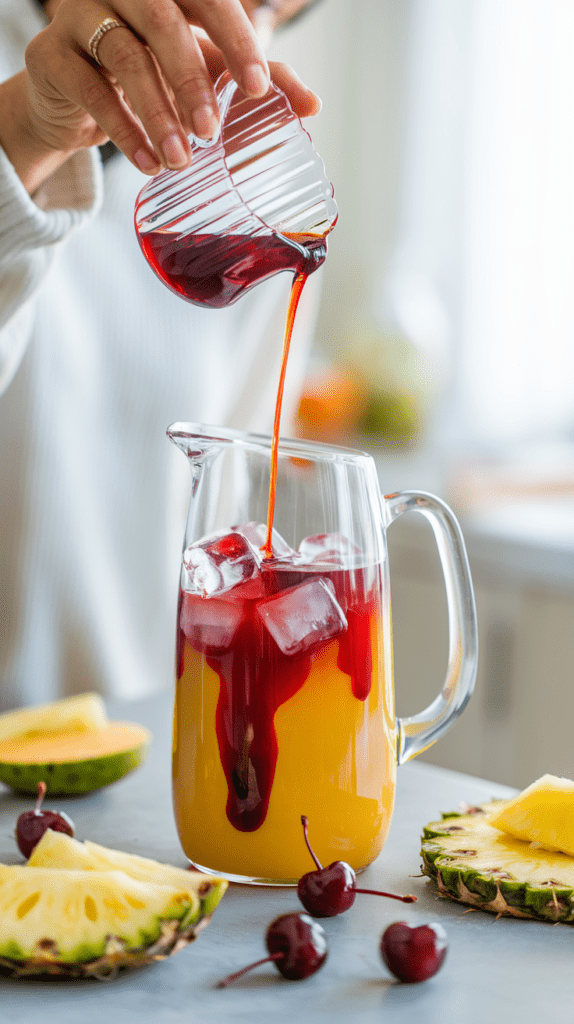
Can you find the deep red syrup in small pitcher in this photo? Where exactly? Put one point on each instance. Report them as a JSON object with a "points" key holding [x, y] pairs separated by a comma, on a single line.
{"points": [[215, 270], [255, 676]]}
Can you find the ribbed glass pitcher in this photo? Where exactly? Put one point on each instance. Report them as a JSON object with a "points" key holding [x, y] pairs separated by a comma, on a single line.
{"points": [[255, 201]]}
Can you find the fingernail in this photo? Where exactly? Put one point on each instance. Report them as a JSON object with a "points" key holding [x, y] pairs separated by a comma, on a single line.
{"points": [[174, 152], [318, 101], [205, 122], [255, 80], [146, 162], [310, 92]]}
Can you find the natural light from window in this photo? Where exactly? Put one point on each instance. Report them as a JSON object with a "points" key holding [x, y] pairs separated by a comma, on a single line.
{"points": [[486, 235]]}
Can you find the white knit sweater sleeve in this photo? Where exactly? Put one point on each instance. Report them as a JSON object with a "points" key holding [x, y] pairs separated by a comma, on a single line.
{"points": [[30, 231]]}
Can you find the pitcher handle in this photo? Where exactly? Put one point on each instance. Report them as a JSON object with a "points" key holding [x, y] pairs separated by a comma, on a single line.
{"points": [[418, 732]]}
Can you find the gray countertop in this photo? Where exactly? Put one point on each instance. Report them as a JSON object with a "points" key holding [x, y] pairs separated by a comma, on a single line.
{"points": [[519, 969]]}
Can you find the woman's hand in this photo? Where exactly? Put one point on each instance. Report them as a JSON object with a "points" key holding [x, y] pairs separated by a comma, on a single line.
{"points": [[152, 82]]}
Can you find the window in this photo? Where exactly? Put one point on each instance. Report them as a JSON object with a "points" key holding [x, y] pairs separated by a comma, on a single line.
{"points": [[483, 269]]}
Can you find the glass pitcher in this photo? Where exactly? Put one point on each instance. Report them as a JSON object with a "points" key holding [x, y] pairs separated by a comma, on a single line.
{"points": [[255, 201], [284, 699]]}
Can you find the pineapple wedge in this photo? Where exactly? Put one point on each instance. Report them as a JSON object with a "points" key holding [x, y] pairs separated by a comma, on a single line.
{"points": [[542, 814], [83, 910], [89, 922], [58, 850]]}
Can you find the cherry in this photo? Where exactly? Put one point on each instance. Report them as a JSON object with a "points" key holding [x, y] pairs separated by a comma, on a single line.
{"points": [[332, 890], [31, 825], [297, 946], [413, 954]]}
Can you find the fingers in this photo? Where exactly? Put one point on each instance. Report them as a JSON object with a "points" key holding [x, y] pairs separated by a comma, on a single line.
{"points": [[158, 108], [229, 28], [164, 27], [143, 77], [157, 62], [161, 29], [304, 101], [64, 89], [154, 85], [102, 100]]}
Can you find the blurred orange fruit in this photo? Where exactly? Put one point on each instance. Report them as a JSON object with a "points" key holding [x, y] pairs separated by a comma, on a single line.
{"points": [[331, 405]]}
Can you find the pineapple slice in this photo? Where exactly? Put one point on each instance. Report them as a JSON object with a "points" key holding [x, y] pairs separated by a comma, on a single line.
{"points": [[58, 850], [72, 714], [542, 814], [83, 922], [473, 862]]}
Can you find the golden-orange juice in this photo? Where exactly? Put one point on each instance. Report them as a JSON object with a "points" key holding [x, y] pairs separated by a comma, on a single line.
{"points": [[284, 707]]}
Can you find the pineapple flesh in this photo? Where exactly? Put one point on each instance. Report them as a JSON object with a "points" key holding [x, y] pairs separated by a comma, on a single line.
{"points": [[542, 814], [475, 863], [58, 850]]}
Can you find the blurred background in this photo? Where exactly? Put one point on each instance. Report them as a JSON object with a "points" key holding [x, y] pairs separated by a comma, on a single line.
{"points": [[445, 340]]}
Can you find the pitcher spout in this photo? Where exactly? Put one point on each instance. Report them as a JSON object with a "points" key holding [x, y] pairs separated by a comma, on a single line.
{"points": [[198, 440]]}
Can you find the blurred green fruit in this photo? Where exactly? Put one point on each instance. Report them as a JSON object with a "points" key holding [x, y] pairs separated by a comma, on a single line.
{"points": [[392, 416]]}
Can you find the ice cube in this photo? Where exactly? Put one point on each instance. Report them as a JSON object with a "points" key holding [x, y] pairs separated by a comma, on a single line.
{"points": [[303, 617], [218, 563], [256, 534], [210, 624], [327, 549]]}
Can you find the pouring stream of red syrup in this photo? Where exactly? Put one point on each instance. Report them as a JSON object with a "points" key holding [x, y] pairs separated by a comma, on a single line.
{"points": [[296, 289]]}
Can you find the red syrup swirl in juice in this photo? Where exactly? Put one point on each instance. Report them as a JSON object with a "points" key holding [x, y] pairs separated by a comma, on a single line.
{"points": [[256, 678]]}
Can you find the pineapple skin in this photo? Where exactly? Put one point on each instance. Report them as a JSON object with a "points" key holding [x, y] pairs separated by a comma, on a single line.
{"points": [[117, 956], [448, 849]]}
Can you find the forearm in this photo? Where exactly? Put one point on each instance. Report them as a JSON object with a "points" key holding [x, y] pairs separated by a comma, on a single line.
{"points": [[33, 160]]}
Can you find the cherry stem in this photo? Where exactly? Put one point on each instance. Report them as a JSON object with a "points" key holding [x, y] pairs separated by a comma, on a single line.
{"points": [[368, 892], [389, 895], [239, 974], [305, 825], [41, 795]]}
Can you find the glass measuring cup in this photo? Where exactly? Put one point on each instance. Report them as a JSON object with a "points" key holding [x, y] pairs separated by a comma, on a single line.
{"points": [[255, 201]]}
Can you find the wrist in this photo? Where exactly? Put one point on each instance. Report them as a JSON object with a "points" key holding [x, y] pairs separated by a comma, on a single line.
{"points": [[33, 159]]}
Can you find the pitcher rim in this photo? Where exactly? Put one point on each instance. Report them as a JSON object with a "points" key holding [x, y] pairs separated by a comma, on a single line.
{"points": [[289, 446]]}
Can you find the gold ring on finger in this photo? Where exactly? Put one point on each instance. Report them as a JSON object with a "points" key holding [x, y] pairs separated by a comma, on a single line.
{"points": [[105, 26]]}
